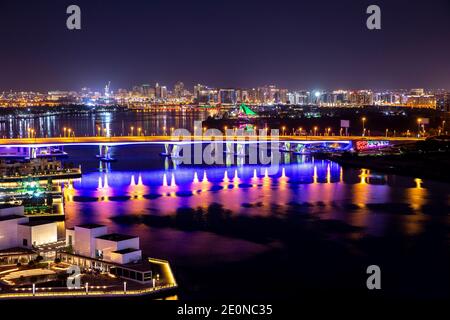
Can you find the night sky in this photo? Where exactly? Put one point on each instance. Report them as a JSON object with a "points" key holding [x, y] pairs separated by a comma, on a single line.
{"points": [[233, 43]]}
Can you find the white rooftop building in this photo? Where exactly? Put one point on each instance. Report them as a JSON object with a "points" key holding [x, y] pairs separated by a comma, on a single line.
{"points": [[94, 248], [94, 241], [16, 230]]}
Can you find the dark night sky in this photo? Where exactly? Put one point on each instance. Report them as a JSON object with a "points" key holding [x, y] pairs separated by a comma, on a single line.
{"points": [[242, 43]]}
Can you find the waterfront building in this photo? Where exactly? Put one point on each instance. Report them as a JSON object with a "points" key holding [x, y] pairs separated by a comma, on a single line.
{"points": [[16, 230], [94, 241], [24, 162], [417, 98], [91, 246], [10, 167]]}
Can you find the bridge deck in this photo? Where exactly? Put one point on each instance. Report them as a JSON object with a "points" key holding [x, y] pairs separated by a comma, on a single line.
{"points": [[117, 140]]}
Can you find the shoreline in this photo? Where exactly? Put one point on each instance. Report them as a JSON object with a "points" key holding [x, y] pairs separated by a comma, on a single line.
{"points": [[169, 289], [422, 167]]}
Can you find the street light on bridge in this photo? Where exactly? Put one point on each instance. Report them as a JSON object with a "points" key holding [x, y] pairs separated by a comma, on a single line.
{"points": [[364, 125], [419, 122]]}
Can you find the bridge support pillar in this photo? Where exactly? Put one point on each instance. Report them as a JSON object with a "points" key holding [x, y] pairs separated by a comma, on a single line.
{"points": [[175, 153], [240, 150], [229, 148]]}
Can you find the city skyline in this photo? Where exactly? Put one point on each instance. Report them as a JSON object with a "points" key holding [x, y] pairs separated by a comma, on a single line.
{"points": [[171, 87], [226, 44]]}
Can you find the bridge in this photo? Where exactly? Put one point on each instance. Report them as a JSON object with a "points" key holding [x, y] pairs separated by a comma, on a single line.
{"points": [[167, 139], [234, 144]]}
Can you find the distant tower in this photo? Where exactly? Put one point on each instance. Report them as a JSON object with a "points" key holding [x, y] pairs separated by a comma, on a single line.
{"points": [[107, 89]]}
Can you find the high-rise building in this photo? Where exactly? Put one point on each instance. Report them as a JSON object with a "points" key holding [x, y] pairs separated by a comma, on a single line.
{"points": [[227, 96], [160, 92], [443, 101], [197, 89], [178, 90]]}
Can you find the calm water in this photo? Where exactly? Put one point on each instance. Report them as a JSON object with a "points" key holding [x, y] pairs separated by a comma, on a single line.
{"points": [[142, 183], [310, 229], [112, 123]]}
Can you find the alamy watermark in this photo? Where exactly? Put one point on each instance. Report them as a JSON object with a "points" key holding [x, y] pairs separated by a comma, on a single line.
{"points": [[73, 21], [374, 20], [374, 280], [214, 147]]}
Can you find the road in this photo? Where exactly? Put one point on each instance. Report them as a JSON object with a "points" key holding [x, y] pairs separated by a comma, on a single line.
{"points": [[118, 140]]}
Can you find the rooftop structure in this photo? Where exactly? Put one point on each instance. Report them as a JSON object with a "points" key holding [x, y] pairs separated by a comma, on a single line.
{"points": [[16, 230], [116, 253]]}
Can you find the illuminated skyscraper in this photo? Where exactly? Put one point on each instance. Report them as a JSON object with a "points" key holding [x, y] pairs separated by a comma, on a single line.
{"points": [[227, 96], [178, 90]]}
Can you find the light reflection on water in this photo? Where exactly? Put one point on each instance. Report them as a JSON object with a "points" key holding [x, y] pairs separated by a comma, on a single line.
{"points": [[358, 197]]}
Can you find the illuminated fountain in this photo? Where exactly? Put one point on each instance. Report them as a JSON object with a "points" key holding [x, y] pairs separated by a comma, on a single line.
{"points": [[225, 177], [236, 177], [172, 181], [196, 177], [165, 180], [205, 177]]}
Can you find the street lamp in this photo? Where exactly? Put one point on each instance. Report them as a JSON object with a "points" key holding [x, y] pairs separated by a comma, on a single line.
{"points": [[282, 130], [364, 125], [139, 131], [419, 122], [387, 130], [64, 129], [132, 130]]}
